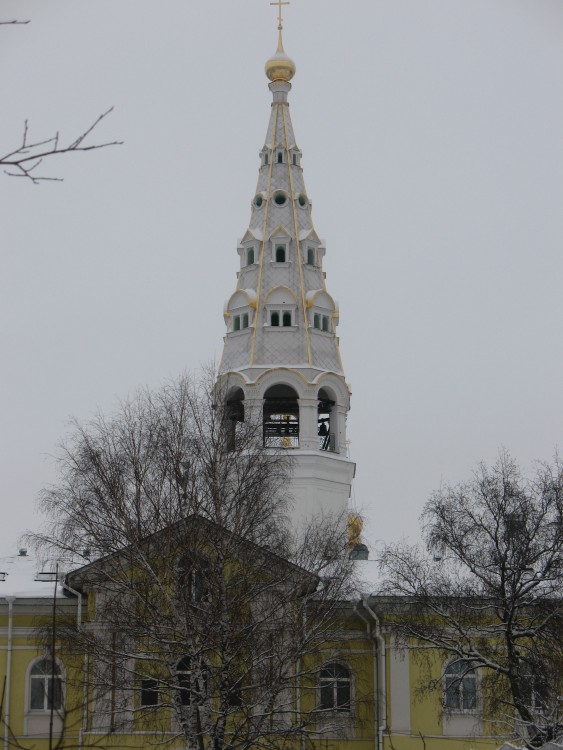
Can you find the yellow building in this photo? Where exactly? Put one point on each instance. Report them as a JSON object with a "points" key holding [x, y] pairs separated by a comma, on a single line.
{"points": [[362, 690]]}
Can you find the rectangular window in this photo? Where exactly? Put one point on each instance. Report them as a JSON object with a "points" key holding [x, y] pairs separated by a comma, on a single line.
{"points": [[310, 256], [280, 157], [316, 321], [37, 701], [266, 159], [236, 323], [149, 692], [250, 256], [287, 319], [325, 323], [294, 160], [245, 320]]}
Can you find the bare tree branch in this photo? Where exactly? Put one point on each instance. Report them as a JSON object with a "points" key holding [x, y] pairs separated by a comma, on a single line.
{"points": [[24, 160]]}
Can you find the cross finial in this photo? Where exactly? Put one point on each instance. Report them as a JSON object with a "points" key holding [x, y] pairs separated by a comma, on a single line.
{"points": [[279, 3]]}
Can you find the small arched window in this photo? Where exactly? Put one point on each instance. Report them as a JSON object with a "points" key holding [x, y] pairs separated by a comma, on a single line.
{"points": [[335, 687], [294, 160], [280, 157], [266, 159], [250, 256], [275, 318], [46, 686], [280, 253], [286, 319], [460, 686], [311, 256]]}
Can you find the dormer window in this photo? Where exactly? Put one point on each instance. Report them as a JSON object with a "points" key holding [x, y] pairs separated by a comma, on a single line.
{"points": [[279, 318], [321, 322], [265, 160], [280, 157], [240, 322], [250, 256], [280, 253], [294, 160], [311, 259]]}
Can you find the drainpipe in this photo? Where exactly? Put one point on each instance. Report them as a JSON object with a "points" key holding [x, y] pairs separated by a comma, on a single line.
{"points": [[375, 674], [10, 600], [382, 668], [78, 595], [84, 726]]}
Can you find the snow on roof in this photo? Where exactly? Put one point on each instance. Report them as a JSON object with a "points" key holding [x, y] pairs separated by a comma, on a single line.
{"points": [[22, 576]]}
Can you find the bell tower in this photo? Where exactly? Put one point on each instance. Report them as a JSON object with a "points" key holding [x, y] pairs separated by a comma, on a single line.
{"points": [[281, 360]]}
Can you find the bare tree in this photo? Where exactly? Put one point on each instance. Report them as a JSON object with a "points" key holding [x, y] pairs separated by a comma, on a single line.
{"points": [[487, 590], [210, 616]]}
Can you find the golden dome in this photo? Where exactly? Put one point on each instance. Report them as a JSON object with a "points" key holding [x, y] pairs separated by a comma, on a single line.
{"points": [[280, 67], [355, 526]]}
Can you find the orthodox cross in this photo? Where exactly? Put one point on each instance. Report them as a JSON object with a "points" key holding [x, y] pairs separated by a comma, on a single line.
{"points": [[279, 3]]}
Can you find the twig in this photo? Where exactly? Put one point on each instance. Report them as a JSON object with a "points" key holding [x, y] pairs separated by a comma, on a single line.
{"points": [[27, 157]]}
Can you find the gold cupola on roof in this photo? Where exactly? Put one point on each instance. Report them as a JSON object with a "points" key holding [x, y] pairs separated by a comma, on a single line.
{"points": [[280, 67]]}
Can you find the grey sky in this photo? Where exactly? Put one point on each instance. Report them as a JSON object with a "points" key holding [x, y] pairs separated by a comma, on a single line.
{"points": [[432, 146]]}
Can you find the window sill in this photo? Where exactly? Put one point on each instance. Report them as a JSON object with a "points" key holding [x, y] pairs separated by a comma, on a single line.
{"points": [[280, 264], [280, 328], [234, 334]]}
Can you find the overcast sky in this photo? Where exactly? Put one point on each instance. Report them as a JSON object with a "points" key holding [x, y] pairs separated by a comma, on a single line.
{"points": [[432, 139]]}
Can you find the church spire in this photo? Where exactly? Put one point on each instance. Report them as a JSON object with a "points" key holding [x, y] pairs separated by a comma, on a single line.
{"points": [[281, 351]]}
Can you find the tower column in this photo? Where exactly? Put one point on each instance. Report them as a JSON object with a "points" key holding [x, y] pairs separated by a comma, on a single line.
{"points": [[308, 411]]}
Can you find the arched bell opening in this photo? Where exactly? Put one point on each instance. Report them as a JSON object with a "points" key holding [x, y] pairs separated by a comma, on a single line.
{"points": [[281, 417], [234, 414], [326, 419]]}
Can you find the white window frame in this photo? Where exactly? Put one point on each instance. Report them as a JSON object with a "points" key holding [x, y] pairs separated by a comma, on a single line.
{"points": [[45, 678], [240, 314], [470, 674], [281, 311], [324, 317], [346, 708]]}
